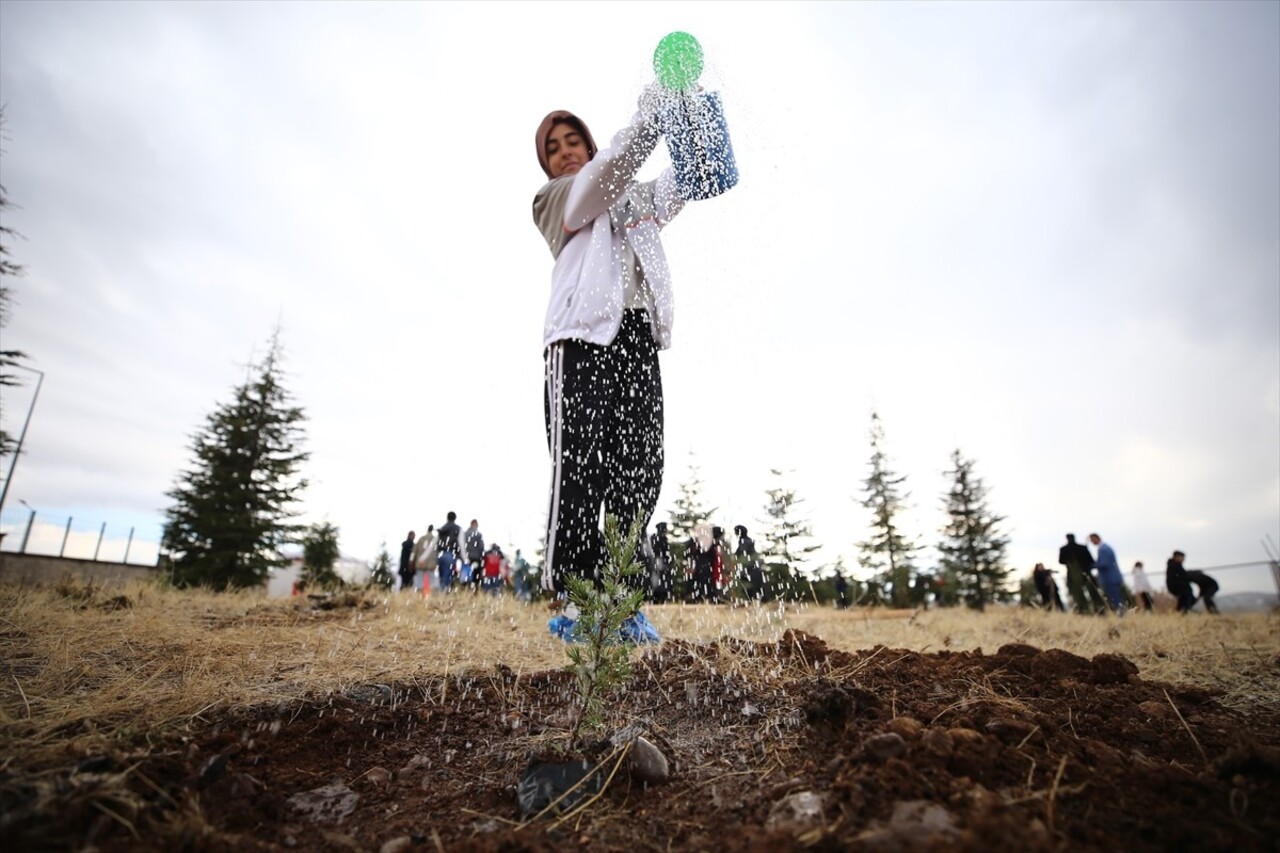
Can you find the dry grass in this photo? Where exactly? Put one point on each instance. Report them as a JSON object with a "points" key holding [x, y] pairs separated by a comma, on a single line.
{"points": [[84, 668]]}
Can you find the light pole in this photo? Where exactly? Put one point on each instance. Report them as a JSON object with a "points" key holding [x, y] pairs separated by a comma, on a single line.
{"points": [[17, 450], [30, 521]]}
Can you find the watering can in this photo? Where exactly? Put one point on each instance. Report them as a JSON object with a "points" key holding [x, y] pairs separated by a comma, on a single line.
{"points": [[693, 122]]}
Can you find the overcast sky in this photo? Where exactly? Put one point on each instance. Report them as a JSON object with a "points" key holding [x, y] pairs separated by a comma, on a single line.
{"points": [[1046, 234]]}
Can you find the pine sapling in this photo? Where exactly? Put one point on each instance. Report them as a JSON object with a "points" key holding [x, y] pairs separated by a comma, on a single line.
{"points": [[601, 660]]}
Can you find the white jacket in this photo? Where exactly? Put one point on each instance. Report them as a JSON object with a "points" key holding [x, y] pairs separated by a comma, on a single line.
{"points": [[605, 211]]}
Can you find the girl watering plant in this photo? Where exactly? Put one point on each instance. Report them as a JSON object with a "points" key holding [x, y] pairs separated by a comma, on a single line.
{"points": [[611, 309]]}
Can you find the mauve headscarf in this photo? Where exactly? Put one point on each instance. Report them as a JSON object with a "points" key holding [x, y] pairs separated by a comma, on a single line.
{"points": [[544, 130]]}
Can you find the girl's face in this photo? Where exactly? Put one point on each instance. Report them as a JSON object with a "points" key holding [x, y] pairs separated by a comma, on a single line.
{"points": [[566, 150]]}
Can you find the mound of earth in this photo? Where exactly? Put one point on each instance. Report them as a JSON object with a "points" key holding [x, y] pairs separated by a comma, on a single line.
{"points": [[772, 746]]}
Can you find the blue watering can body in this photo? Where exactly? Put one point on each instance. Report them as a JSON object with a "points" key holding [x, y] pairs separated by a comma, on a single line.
{"points": [[698, 141]]}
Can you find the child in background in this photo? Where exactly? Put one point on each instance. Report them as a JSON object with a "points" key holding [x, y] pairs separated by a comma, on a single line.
{"points": [[1142, 586]]}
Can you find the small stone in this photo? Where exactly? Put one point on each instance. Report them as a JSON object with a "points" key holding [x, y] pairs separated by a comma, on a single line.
{"points": [[647, 763], [396, 845], [326, 803], [371, 694], [797, 813], [418, 761], [938, 741], [907, 727], [884, 746], [915, 824], [377, 776]]}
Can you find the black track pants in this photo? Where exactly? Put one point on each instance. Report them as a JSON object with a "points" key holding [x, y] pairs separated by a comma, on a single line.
{"points": [[604, 431]]}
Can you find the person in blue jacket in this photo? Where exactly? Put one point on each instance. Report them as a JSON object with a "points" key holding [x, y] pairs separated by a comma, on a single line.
{"points": [[1108, 569]]}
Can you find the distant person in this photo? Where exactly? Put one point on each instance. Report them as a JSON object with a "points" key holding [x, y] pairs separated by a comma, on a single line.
{"points": [[474, 543], [1080, 585], [520, 577], [494, 569], [447, 550], [664, 581], [1142, 587], [749, 561], [1175, 580], [1208, 589], [703, 558], [1109, 577], [719, 577], [842, 591], [424, 557], [1050, 598], [406, 563]]}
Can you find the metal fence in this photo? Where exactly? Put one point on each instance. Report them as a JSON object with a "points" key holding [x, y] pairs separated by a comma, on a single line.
{"points": [[46, 534]]}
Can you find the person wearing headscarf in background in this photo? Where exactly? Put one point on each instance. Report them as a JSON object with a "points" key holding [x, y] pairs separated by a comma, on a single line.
{"points": [[424, 557]]}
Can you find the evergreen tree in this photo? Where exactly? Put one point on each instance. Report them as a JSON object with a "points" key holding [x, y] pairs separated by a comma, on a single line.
{"points": [[380, 570], [787, 545], [889, 553], [231, 512], [972, 546], [319, 554], [9, 358]]}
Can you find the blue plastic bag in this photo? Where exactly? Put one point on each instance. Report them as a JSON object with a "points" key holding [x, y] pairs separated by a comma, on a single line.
{"points": [[635, 630]]}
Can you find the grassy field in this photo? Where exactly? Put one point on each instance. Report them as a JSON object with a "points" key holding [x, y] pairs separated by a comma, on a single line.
{"points": [[88, 667]]}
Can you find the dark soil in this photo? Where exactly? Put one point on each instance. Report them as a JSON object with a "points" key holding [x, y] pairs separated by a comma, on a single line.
{"points": [[773, 746]]}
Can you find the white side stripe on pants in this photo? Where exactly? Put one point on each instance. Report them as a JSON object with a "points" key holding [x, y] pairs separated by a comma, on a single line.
{"points": [[555, 396]]}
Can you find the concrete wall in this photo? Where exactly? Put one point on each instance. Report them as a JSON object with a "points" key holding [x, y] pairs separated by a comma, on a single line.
{"points": [[43, 569]]}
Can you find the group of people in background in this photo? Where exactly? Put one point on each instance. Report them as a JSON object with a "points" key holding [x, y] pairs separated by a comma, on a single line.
{"points": [[1095, 584], [708, 568], [448, 558]]}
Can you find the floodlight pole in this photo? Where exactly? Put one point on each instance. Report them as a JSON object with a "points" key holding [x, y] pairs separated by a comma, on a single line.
{"points": [[17, 451]]}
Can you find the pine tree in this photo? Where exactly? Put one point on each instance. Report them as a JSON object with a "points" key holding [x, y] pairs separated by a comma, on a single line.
{"points": [[231, 512], [972, 546], [9, 358], [380, 570], [889, 553], [787, 545], [319, 554]]}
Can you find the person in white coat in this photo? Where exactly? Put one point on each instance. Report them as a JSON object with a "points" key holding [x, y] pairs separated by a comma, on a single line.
{"points": [[610, 312], [1142, 587]]}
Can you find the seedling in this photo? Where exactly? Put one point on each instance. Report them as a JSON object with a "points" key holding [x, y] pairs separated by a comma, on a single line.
{"points": [[601, 659]]}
